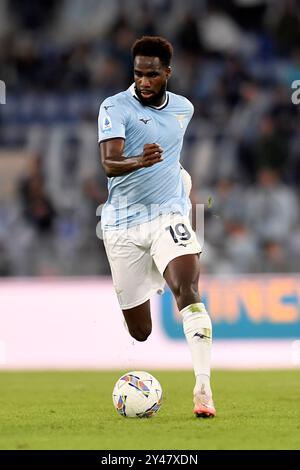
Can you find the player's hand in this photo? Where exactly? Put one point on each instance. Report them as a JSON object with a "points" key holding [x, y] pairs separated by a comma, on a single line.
{"points": [[152, 154]]}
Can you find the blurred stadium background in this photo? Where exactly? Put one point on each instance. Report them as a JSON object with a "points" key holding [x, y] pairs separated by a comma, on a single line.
{"points": [[236, 61]]}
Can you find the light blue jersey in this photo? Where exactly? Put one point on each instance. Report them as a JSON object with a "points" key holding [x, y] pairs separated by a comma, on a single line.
{"points": [[144, 194]]}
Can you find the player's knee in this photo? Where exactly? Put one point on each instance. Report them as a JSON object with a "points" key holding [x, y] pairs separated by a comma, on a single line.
{"points": [[141, 334]]}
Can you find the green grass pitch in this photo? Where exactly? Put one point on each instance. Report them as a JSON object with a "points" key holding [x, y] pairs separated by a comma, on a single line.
{"points": [[73, 410]]}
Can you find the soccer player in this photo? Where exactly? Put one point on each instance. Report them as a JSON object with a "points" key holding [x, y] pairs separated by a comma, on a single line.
{"points": [[147, 234]]}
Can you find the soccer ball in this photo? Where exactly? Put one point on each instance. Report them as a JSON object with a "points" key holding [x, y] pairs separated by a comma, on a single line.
{"points": [[137, 394]]}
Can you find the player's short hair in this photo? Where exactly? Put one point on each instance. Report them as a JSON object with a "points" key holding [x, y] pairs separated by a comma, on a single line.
{"points": [[153, 46]]}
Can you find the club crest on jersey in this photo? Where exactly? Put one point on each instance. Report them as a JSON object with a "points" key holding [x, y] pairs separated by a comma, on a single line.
{"points": [[180, 118], [106, 124]]}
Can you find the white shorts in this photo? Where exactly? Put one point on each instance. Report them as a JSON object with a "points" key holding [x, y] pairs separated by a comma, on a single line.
{"points": [[139, 255]]}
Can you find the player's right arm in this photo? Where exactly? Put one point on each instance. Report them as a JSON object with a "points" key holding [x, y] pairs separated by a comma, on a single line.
{"points": [[112, 128], [115, 164]]}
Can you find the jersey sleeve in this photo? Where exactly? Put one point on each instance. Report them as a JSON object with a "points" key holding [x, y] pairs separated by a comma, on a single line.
{"points": [[111, 120]]}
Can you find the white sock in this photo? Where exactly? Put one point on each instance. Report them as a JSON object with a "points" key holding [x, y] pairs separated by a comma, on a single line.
{"points": [[198, 332]]}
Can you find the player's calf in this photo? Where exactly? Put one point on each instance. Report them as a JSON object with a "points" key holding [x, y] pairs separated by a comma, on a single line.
{"points": [[138, 320], [140, 334]]}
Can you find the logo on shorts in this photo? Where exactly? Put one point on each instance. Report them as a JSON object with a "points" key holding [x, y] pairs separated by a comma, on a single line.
{"points": [[106, 124]]}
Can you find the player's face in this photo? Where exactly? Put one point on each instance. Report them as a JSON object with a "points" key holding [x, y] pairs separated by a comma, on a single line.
{"points": [[150, 77]]}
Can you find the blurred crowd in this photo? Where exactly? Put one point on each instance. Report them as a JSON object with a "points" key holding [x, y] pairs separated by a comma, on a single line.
{"points": [[235, 60]]}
